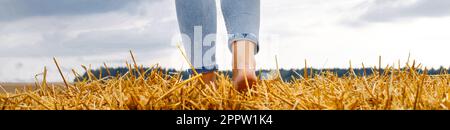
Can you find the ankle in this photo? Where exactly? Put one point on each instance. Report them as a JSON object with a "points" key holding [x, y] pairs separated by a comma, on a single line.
{"points": [[244, 55]]}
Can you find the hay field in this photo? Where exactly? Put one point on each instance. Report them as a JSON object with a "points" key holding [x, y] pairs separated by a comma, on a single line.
{"points": [[395, 89]]}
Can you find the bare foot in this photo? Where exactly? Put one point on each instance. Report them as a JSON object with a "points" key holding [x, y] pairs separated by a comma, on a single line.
{"points": [[209, 77], [244, 76]]}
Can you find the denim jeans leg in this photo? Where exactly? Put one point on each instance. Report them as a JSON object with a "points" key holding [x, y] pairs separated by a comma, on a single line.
{"points": [[197, 23], [242, 18]]}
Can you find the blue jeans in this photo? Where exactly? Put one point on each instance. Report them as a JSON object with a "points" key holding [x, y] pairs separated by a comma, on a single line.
{"points": [[197, 20]]}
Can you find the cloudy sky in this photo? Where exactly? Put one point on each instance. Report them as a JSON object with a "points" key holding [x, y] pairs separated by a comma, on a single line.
{"points": [[327, 33]]}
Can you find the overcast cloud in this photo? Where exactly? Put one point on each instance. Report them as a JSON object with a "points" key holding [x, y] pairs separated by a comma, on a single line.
{"points": [[388, 10], [18, 9]]}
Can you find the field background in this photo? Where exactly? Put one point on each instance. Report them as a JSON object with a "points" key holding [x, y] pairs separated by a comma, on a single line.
{"points": [[394, 88]]}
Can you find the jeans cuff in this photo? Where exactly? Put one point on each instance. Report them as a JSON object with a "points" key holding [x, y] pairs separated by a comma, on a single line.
{"points": [[243, 36], [204, 69]]}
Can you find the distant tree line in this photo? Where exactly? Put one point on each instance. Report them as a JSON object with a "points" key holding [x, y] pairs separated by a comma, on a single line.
{"points": [[286, 74]]}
